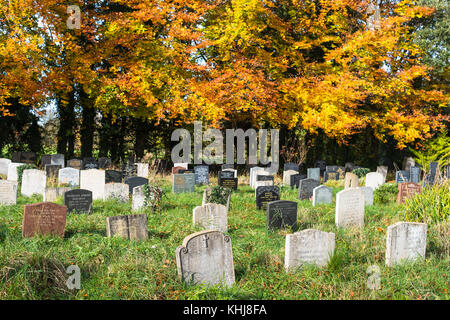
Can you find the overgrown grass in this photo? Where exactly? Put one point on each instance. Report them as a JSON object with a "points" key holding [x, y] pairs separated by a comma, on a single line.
{"points": [[114, 268]]}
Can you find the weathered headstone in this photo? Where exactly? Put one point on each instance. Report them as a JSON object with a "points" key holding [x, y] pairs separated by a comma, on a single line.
{"points": [[104, 163], [138, 200], [313, 173], [93, 180], [266, 194], [351, 180], [12, 170], [142, 170], [263, 180], [295, 180], [113, 176], [308, 246], [330, 175], [374, 180], [227, 166], [33, 182], [4, 164], [383, 170], [306, 187], [350, 207], [117, 190], [181, 164], [368, 195], [69, 176], [52, 159], [206, 257], [25, 157], [414, 174], [432, 176], [287, 174], [52, 171], [133, 227], [281, 214], [322, 195], [211, 216], [407, 190], [133, 182], [183, 183], [8, 192], [402, 176], [52, 194], [201, 174], [408, 162], [331, 168], [75, 163], [45, 218], [406, 241], [78, 200], [253, 172]]}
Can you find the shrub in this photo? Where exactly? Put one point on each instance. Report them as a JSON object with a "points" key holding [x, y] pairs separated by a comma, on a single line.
{"points": [[218, 195], [153, 196], [361, 172], [431, 206], [385, 193]]}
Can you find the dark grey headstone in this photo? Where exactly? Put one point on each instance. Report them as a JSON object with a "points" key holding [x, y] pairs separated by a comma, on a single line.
{"points": [[201, 174], [402, 176], [264, 178], [295, 180], [45, 159], [331, 168], [330, 175], [291, 166], [224, 174], [51, 170], [266, 194], [24, 157], [90, 163], [231, 183], [78, 200], [227, 166], [414, 174], [135, 182], [322, 164], [281, 214], [305, 188], [349, 166], [75, 163], [113, 176], [188, 171]]}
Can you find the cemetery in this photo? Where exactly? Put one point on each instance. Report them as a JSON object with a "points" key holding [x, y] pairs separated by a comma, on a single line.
{"points": [[224, 150]]}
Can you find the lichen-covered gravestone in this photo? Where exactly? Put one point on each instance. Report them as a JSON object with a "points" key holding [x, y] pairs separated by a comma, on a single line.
{"points": [[52, 194], [406, 241], [133, 227], [75, 163], [138, 200], [308, 246], [93, 180], [52, 170], [306, 187], [33, 182], [44, 218], [206, 257], [322, 195], [118, 191], [8, 192], [69, 176], [350, 207], [211, 216], [281, 214]]}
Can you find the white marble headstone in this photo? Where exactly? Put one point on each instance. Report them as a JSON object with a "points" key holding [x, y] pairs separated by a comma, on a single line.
{"points": [[374, 180], [4, 164], [350, 207], [8, 192], [368, 195], [142, 170], [33, 182], [93, 180], [12, 170], [287, 176], [322, 195], [119, 191]]}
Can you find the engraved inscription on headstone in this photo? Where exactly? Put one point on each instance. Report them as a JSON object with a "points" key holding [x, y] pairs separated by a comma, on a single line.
{"points": [[78, 200], [266, 194], [322, 195], [183, 183], [133, 227], [350, 207], [8, 192], [211, 216], [45, 218], [305, 188], [281, 214]]}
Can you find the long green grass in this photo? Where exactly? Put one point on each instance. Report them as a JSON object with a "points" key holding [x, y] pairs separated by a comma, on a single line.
{"points": [[114, 268]]}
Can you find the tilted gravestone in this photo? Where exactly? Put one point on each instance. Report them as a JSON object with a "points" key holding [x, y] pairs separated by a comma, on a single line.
{"points": [[350, 208], [45, 218], [78, 200], [206, 257], [132, 227], [322, 195], [183, 183], [133, 182], [69, 176], [374, 180], [306, 187], [8, 192], [113, 176], [118, 191], [281, 214], [211, 216], [201, 174], [104, 163], [308, 246], [368, 195], [313, 173], [33, 182], [402, 176], [75, 163], [295, 180], [52, 194], [52, 170], [93, 180], [406, 241], [407, 190], [4, 164], [414, 174], [12, 171], [266, 194], [351, 180], [142, 170]]}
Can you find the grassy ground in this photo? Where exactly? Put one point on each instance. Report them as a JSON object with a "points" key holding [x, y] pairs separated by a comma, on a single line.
{"points": [[113, 268]]}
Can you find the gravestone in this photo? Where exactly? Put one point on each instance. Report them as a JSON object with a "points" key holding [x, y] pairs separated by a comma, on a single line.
{"points": [[78, 200], [341, 172], [206, 198], [263, 180], [224, 174], [235, 172], [351, 180], [178, 170], [432, 176], [322, 165], [414, 174], [266, 194], [227, 166], [368, 195], [187, 171], [138, 200], [350, 207], [113, 176], [330, 175], [308, 246], [8, 192], [75, 163], [322, 195], [374, 180], [142, 170], [206, 257], [104, 163], [331, 168], [408, 162], [33, 182], [52, 171], [24, 157], [52, 194], [281, 214], [211, 216], [181, 164], [183, 183], [349, 166], [291, 166], [253, 172], [90, 163], [313, 173], [231, 183], [93, 180], [295, 180], [383, 170], [201, 174], [133, 182], [117, 190], [132, 227], [52, 159], [287, 174], [45, 218], [306, 187], [402, 176], [406, 241], [407, 190], [12, 170], [4, 164], [69, 176]]}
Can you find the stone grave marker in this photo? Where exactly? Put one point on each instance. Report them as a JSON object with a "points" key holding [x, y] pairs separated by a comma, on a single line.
{"points": [[142, 170], [432, 176], [414, 174], [374, 180], [305, 188], [104, 163], [69, 176], [183, 183], [4, 164], [349, 166], [93, 180], [33, 182], [133, 182], [113, 176], [211, 216], [407, 190], [368, 195], [281, 214], [263, 180], [52, 171], [138, 200], [341, 172], [322, 165], [331, 168], [45, 218], [350, 207], [201, 174], [206, 198], [408, 162], [313, 173], [181, 164], [178, 170], [24, 157], [227, 166], [90, 163], [308, 246], [224, 174], [253, 172], [402, 176], [75, 163], [330, 175], [406, 241], [8, 192], [295, 180], [132, 227], [291, 166], [78, 200], [235, 172], [266, 194], [231, 183], [52, 194], [383, 170], [287, 174], [12, 170], [351, 180], [117, 190], [206, 257], [322, 195]]}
